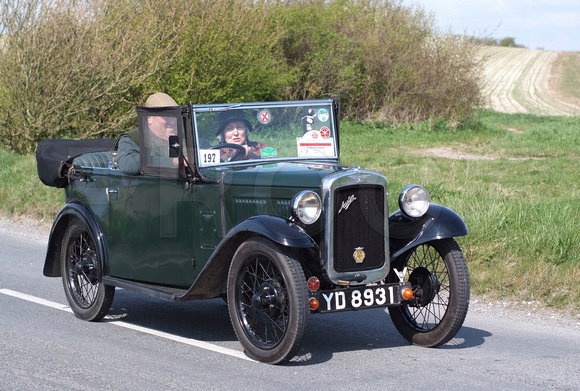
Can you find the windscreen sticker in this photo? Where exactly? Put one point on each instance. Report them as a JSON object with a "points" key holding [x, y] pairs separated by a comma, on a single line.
{"points": [[323, 115], [309, 119], [209, 156], [268, 153], [324, 132], [264, 116], [312, 144]]}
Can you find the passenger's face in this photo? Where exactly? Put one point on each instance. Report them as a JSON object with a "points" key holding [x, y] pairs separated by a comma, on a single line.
{"points": [[162, 127], [235, 132]]}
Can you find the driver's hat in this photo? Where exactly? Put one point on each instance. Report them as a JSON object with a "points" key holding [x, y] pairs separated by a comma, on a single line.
{"points": [[225, 117]]}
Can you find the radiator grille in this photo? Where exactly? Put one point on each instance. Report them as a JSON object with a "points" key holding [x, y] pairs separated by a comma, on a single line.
{"points": [[359, 223]]}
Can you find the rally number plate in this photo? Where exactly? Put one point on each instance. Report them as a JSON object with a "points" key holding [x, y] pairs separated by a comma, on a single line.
{"points": [[358, 298]]}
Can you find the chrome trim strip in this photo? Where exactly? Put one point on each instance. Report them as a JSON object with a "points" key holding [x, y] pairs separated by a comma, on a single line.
{"points": [[225, 106]]}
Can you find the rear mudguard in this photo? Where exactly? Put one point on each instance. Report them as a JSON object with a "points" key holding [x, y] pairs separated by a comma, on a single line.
{"points": [[212, 279], [438, 223], [72, 210]]}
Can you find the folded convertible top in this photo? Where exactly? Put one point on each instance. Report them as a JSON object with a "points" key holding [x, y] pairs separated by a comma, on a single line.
{"points": [[54, 157]]}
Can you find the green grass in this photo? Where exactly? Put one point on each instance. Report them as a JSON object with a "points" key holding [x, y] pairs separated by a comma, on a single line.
{"points": [[522, 208], [519, 194], [22, 193]]}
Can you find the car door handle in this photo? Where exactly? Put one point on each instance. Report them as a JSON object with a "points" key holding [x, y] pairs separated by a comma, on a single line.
{"points": [[112, 194]]}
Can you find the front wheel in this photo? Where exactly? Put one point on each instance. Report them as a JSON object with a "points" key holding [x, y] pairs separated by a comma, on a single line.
{"points": [[81, 270], [438, 274], [267, 301]]}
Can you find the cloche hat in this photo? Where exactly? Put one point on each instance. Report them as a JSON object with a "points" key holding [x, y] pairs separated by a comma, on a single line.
{"points": [[226, 117]]}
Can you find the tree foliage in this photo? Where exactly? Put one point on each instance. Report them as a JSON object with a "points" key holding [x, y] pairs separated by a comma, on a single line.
{"points": [[508, 42], [77, 68], [73, 68]]}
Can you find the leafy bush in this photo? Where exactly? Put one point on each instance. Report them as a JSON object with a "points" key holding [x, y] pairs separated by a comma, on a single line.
{"points": [[230, 54], [382, 59], [72, 69], [77, 68]]}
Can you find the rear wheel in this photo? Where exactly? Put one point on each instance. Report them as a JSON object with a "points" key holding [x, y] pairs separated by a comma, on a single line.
{"points": [[267, 301], [439, 277], [81, 272]]}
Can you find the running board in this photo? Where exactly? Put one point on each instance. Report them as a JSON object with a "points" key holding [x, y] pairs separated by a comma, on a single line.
{"points": [[157, 291]]}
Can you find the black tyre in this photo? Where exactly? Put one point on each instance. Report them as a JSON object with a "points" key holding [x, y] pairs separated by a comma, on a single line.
{"points": [[81, 272], [438, 273], [267, 301]]}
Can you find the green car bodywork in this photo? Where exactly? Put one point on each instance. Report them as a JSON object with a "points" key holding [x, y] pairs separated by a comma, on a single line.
{"points": [[280, 229], [158, 231]]}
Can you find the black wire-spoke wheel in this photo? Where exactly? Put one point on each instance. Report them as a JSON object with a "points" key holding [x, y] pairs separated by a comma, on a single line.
{"points": [[267, 301], [439, 277], [81, 272]]}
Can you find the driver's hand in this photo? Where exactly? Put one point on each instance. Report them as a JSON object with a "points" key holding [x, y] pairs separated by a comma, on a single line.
{"points": [[247, 149]]}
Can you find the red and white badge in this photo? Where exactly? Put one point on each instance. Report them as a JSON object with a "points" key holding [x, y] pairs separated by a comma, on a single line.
{"points": [[313, 284], [264, 116], [324, 132]]}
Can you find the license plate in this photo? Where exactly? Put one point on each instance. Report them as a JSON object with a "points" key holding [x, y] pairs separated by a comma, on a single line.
{"points": [[358, 298]]}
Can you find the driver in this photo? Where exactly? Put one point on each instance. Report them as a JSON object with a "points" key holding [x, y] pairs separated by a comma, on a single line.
{"points": [[234, 128]]}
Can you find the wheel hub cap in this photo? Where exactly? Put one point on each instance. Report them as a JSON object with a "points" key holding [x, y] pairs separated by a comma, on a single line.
{"points": [[266, 298], [425, 285], [86, 266]]}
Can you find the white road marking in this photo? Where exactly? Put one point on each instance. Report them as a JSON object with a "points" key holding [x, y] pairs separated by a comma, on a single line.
{"points": [[161, 334], [36, 300]]}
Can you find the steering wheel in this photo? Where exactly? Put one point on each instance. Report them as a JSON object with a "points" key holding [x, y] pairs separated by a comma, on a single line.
{"points": [[239, 154]]}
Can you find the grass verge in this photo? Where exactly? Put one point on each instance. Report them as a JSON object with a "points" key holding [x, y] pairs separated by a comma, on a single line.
{"points": [[22, 193], [513, 179]]}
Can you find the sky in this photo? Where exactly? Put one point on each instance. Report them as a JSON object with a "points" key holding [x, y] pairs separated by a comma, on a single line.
{"points": [[536, 24]]}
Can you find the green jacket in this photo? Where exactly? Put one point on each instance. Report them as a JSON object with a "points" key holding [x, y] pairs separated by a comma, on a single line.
{"points": [[128, 155]]}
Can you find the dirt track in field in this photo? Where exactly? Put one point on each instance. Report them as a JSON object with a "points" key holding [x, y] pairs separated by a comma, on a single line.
{"points": [[521, 81]]}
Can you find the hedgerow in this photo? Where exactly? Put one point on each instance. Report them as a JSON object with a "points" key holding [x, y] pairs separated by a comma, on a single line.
{"points": [[77, 68]]}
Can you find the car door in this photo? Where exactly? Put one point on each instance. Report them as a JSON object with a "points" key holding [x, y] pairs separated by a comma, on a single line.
{"points": [[150, 236]]}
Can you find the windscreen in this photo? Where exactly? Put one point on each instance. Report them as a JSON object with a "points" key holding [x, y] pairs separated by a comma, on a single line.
{"points": [[246, 132]]}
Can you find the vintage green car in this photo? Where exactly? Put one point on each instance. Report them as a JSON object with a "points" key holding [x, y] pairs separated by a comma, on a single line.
{"points": [[276, 226]]}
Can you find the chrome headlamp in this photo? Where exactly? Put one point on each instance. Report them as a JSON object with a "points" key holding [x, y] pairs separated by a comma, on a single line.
{"points": [[414, 201], [306, 207]]}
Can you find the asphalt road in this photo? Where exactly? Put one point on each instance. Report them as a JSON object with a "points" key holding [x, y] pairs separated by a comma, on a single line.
{"points": [[148, 344]]}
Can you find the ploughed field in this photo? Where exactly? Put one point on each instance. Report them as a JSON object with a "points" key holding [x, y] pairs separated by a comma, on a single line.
{"points": [[518, 80]]}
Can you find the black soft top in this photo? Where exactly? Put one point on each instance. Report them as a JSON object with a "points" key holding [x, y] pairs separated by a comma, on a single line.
{"points": [[54, 157]]}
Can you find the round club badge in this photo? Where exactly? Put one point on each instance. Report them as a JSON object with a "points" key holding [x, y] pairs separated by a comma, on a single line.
{"points": [[322, 115], [264, 116]]}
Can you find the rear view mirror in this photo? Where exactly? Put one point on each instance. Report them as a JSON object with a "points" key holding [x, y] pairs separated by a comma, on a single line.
{"points": [[174, 146]]}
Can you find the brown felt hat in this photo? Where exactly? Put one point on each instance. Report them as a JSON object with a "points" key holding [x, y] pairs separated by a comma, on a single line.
{"points": [[160, 99]]}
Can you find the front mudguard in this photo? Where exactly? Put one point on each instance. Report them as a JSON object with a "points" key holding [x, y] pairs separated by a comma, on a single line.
{"points": [[212, 279], [438, 223], [274, 228]]}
